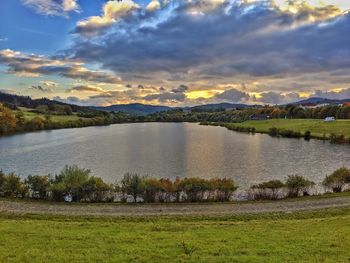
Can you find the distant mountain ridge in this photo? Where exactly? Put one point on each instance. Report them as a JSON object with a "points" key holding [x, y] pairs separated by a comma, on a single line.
{"points": [[28, 102], [319, 100], [134, 108], [144, 109]]}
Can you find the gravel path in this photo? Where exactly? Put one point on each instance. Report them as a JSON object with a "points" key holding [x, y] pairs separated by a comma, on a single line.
{"points": [[28, 207]]}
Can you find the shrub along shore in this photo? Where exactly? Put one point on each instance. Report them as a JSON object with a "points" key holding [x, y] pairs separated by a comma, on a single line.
{"points": [[76, 184], [281, 132]]}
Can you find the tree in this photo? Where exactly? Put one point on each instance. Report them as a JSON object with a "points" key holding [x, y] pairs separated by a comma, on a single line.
{"points": [[152, 188], [70, 182], [38, 186], [8, 120], [42, 108], [337, 179], [133, 184], [297, 184], [13, 186]]}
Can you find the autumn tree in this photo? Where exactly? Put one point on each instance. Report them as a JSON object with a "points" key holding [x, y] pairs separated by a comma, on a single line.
{"points": [[7, 120]]}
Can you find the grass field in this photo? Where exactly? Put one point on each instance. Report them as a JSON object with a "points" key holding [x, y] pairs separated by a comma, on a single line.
{"points": [[318, 128], [321, 236], [55, 118]]}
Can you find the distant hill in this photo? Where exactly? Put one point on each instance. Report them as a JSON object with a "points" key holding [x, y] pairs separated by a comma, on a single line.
{"points": [[225, 106], [144, 109], [317, 100], [134, 108], [25, 101]]}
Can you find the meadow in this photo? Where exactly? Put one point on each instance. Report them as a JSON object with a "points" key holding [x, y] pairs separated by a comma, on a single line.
{"points": [[318, 128], [311, 236], [28, 115]]}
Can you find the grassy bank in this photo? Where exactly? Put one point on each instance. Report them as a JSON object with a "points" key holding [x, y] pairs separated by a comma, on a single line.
{"points": [[28, 115], [322, 236], [318, 128]]}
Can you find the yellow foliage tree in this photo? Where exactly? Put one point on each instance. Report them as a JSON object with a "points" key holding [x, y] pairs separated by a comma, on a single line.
{"points": [[7, 120]]}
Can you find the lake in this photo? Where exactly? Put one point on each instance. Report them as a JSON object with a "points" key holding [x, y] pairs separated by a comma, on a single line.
{"points": [[170, 150]]}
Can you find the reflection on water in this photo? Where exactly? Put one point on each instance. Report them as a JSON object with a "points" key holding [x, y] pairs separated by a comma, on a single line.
{"points": [[170, 150]]}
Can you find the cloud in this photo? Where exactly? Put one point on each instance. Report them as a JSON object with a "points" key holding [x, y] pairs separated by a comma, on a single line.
{"points": [[52, 7], [181, 89], [278, 98], [233, 95], [40, 88], [85, 88], [166, 97], [153, 5], [336, 95], [113, 11], [45, 86], [4, 39], [51, 84], [35, 65], [219, 42]]}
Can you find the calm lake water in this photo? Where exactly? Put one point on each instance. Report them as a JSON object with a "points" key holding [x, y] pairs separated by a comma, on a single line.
{"points": [[170, 150]]}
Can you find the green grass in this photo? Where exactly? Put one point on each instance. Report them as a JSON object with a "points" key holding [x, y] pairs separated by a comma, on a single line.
{"points": [[318, 128], [54, 118], [314, 236]]}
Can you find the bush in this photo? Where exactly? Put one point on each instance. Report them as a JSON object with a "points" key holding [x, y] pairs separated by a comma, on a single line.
{"points": [[95, 190], [36, 123], [297, 184], [168, 190], [223, 189], [153, 188], [337, 179], [133, 184], [13, 186], [307, 135], [194, 188], [2, 181], [267, 190], [38, 186], [70, 182], [273, 131]]}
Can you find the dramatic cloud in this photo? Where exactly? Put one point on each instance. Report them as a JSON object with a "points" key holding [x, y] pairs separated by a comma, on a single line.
{"points": [[166, 97], [218, 42], [113, 11], [52, 7], [35, 65], [277, 98], [85, 88], [337, 95], [233, 95], [184, 52]]}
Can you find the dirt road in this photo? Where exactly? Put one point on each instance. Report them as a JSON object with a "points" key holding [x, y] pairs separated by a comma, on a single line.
{"points": [[30, 207]]}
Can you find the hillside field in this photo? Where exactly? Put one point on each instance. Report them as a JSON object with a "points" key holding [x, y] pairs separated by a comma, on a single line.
{"points": [[318, 128]]}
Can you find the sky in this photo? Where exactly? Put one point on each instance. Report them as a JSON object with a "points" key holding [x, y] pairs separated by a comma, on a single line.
{"points": [[175, 52]]}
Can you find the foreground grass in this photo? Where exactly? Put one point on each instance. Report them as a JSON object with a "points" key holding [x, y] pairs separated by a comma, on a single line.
{"points": [[318, 128], [319, 236]]}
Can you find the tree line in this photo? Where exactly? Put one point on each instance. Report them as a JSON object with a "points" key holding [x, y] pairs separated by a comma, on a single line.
{"points": [[79, 185], [14, 120]]}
